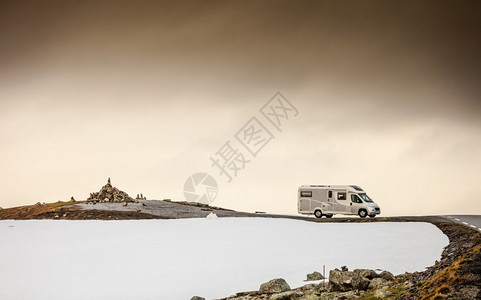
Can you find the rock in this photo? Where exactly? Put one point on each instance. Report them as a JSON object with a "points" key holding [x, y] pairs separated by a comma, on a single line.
{"points": [[139, 209], [314, 276], [197, 298], [38, 203], [287, 295], [344, 281], [382, 293], [369, 274], [377, 283], [277, 285], [106, 200], [72, 199], [359, 282], [344, 269], [340, 280], [124, 203], [338, 296], [386, 275]]}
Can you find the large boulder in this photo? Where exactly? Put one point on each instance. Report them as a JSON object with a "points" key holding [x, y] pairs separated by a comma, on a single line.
{"points": [[277, 285], [386, 275], [340, 280], [314, 276], [344, 281], [369, 274], [377, 283], [359, 282]]}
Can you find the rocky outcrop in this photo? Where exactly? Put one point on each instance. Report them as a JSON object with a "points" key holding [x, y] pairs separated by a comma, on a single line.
{"points": [[457, 275], [343, 284], [108, 193]]}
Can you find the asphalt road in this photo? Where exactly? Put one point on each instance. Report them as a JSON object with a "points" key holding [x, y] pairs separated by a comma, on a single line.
{"points": [[473, 221], [173, 210]]}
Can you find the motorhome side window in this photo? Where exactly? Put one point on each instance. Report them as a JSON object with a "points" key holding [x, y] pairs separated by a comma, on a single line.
{"points": [[306, 193], [341, 196]]}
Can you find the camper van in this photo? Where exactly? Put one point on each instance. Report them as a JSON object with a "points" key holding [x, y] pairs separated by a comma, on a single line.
{"points": [[328, 200]]}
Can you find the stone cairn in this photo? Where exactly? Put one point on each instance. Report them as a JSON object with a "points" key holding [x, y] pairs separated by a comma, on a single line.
{"points": [[108, 193]]}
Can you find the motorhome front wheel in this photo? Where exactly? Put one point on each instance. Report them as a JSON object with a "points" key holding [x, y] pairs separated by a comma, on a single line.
{"points": [[362, 213]]}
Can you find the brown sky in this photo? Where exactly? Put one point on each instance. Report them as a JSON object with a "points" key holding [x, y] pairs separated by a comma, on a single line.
{"points": [[145, 92]]}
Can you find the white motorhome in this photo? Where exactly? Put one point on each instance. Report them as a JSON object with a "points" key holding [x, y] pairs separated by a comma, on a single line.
{"points": [[328, 200]]}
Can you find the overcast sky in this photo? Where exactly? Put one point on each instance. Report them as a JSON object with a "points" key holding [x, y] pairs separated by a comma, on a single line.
{"points": [[387, 94]]}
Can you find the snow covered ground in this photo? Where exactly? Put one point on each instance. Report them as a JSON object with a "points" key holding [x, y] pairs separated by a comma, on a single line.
{"points": [[213, 258]]}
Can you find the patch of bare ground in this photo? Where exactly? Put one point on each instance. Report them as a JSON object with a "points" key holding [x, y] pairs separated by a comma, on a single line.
{"points": [[68, 211]]}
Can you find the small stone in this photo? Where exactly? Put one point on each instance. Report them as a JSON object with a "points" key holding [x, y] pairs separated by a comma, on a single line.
{"points": [[124, 203], [289, 295], [382, 293], [139, 209], [197, 298], [277, 285], [72, 199], [344, 269]]}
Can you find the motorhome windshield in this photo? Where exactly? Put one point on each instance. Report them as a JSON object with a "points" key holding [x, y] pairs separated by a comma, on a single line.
{"points": [[365, 197]]}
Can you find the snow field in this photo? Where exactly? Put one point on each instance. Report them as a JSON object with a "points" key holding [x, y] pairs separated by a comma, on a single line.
{"points": [[213, 258]]}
